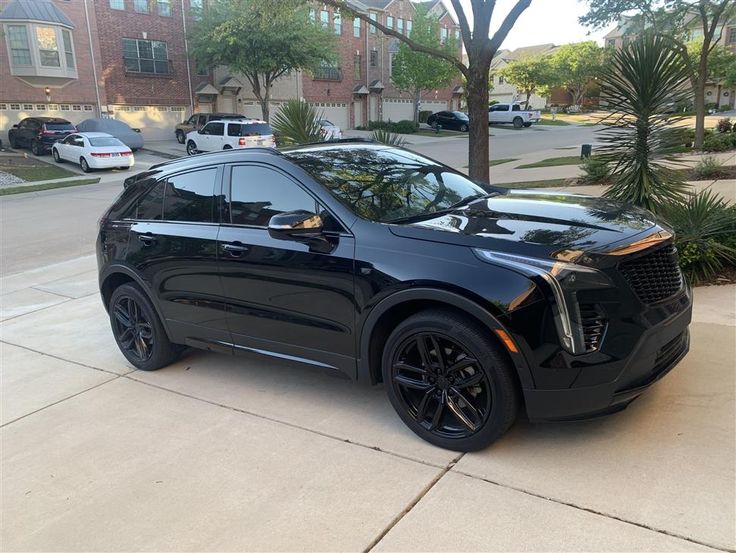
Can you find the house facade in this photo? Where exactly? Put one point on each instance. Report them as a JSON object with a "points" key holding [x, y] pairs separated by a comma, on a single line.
{"points": [[505, 92], [129, 59]]}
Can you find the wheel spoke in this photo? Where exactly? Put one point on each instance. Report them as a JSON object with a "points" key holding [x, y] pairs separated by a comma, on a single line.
{"points": [[464, 363], [455, 409], [423, 352], [471, 380], [438, 412], [422, 407], [407, 382], [406, 367], [123, 316], [146, 331], [472, 411], [438, 352]]}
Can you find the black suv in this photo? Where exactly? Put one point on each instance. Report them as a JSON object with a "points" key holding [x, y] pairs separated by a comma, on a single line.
{"points": [[466, 301], [39, 133]]}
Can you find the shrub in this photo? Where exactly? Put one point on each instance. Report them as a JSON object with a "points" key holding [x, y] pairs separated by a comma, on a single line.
{"points": [[718, 142], [597, 170], [710, 106], [403, 127], [297, 122], [724, 125], [387, 137], [709, 167], [705, 225], [424, 114], [724, 108]]}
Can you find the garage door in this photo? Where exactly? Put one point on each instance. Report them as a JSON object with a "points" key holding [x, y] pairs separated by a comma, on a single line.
{"points": [[433, 106], [338, 114], [398, 109], [155, 122], [12, 113]]}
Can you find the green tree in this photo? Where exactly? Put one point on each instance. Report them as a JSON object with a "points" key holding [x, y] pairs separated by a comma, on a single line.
{"points": [[722, 67], [674, 20], [416, 71], [480, 45], [529, 76], [262, 40], [576, 66], [640, 84]]}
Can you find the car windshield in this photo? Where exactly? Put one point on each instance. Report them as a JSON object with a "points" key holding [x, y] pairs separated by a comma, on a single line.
{"points": [[105, 141], [460, 115], [59, 127], [255, 129], [386, 184]]}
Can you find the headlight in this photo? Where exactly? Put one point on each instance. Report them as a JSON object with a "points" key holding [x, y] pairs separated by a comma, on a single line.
{"points": [[565, 280]]}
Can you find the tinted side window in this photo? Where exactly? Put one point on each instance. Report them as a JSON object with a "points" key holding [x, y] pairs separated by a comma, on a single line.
{"points": [[233, 129], [215, 129], [516, 107], [258, 193], [150, 206], [190, 196], [202, 120]]}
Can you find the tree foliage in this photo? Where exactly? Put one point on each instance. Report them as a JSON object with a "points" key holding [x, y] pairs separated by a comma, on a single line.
{"points": [[576, 66], [533, 75], [414, 71], [640, 84], [261, 40]]}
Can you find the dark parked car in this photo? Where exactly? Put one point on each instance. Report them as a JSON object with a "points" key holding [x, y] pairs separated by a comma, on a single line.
{"points": [[199, 120], [455, 120], [39, 133], [133, 139], [469, 303]]}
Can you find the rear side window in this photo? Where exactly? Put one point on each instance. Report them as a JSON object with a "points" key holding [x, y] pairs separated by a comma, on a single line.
{"points": [[150, 206], [516, 107], [190, 196], [233, 129], [59, 127], [258, 193], [255, 129]]}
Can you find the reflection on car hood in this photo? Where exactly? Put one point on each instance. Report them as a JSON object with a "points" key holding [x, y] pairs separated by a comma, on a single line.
{"points": [[534, 223]]}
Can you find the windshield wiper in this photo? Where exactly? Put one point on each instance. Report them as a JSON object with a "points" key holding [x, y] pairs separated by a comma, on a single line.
{"points": [[429, 214]]}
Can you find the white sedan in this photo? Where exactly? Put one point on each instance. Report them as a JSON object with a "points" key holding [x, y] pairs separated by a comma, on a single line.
{"points": [[329, 130], [93, 150]]}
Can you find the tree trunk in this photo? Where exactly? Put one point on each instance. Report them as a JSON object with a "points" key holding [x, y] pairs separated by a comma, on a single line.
{"points": [[478, 150], [417, 98], [528, 95], [699, 113]]}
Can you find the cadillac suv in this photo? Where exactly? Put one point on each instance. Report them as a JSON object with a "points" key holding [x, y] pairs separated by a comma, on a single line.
{"points": [[468, 302]]}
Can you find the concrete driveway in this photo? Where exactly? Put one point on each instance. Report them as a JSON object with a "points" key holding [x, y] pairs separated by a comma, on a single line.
{"points": [[222, 453]]}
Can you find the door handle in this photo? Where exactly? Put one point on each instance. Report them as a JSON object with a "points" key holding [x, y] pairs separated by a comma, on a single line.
{"points": [[147, 239], [235, 249]]}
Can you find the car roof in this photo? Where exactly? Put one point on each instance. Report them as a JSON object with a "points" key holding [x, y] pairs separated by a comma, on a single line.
{"points": [[244, 121], [50, 119], [94, 134]]}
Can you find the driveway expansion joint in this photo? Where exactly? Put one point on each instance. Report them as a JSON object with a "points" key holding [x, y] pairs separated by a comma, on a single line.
{"points": [[66, 360], [594, 512]]}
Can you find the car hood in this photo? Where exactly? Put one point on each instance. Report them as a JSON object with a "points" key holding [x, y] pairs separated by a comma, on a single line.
{"points": [[537, 224]]}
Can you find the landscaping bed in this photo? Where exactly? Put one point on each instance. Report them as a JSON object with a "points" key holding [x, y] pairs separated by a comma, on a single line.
{"points": [[29, 169]]}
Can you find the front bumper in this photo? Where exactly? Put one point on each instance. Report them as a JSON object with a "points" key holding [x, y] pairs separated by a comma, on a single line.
{"points": [[658, 351]]}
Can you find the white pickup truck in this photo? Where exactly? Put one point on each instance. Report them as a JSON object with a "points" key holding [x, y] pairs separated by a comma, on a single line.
{"points": [[513, 114]]}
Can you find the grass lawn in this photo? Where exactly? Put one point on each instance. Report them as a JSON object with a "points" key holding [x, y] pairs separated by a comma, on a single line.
{"points": [[551, 183], [430, 132], [553, 162], [504, 160], [34, 171], [548, 121], [48, 186]]}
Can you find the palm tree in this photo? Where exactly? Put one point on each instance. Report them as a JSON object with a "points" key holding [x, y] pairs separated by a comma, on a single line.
{"points": [[642, 82]]}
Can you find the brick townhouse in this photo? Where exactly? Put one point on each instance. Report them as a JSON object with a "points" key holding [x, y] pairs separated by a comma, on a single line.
{"points": [[128, 59]]}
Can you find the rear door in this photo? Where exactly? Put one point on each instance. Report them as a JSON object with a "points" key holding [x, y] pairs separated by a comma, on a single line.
{"points": [[173, 245]]}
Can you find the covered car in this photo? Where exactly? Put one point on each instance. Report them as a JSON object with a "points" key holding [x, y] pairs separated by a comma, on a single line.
{"points": [[132, 139]]}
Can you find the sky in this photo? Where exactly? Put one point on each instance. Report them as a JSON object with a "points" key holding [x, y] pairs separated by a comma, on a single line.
{"points": [[554, 21]]}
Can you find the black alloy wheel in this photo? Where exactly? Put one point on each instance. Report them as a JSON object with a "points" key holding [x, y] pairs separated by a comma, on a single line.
{"points": [[138, 330], [36, 148], [464, 128], [448, 381]]}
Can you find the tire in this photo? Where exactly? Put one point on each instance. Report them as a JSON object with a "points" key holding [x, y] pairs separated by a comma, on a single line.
{"points": [[527, 125], [463, 128], [518, 122], [482, 376], [434, 125], [84, 165], [191, 148], [36, 148], [13, 143], [57, 157], [227, 147], [138, 330], [180, 138]]}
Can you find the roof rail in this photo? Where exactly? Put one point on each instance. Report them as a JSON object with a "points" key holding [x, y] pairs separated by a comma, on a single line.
{"points": [[258, 149]]}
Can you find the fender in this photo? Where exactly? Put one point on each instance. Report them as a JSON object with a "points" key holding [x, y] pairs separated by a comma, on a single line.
{"points": [[119, 268], [434, 294]]}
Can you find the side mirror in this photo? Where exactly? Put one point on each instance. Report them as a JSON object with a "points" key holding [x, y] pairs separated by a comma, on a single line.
{"points": [[14, 126], [295, 225]]}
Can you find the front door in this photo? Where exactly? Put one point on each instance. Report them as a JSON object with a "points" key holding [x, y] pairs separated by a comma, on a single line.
{"points": [[173, 244], [284, 298], [212, 137], [358, 113]]}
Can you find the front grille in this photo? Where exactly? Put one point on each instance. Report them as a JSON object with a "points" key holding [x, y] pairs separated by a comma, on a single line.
{"points": [[655, 276], [594, 325]]}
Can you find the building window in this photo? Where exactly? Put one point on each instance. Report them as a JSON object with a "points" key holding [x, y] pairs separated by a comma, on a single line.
{"points": [[196, 6], [373, 27], [48, 46], [145, 56], [87, 108], [391, 64], [732, 35], [356, 27], [611, 42], [20, 52], [389, 22], [328, 72], [324, 18], [400, 25], [357, 66], [408, 27], [500, 79], [117, 4], [457, 34], [28, 107], [141, 6], [374, 58], [66, 37], [313, 15], [164, 7], [337, 22], [443, 35]]}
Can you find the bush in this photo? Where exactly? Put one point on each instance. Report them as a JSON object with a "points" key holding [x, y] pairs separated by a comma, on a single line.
{"points": [[710, 106], [297, 122], [386, 137], [705, 227], [718, 142], [724, 125], [707, 168], [402, 127], [725, 108], [424, 114], [597, 170]]}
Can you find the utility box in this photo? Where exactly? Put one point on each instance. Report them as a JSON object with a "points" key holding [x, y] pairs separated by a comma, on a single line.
{"points": [[586, 150]]}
